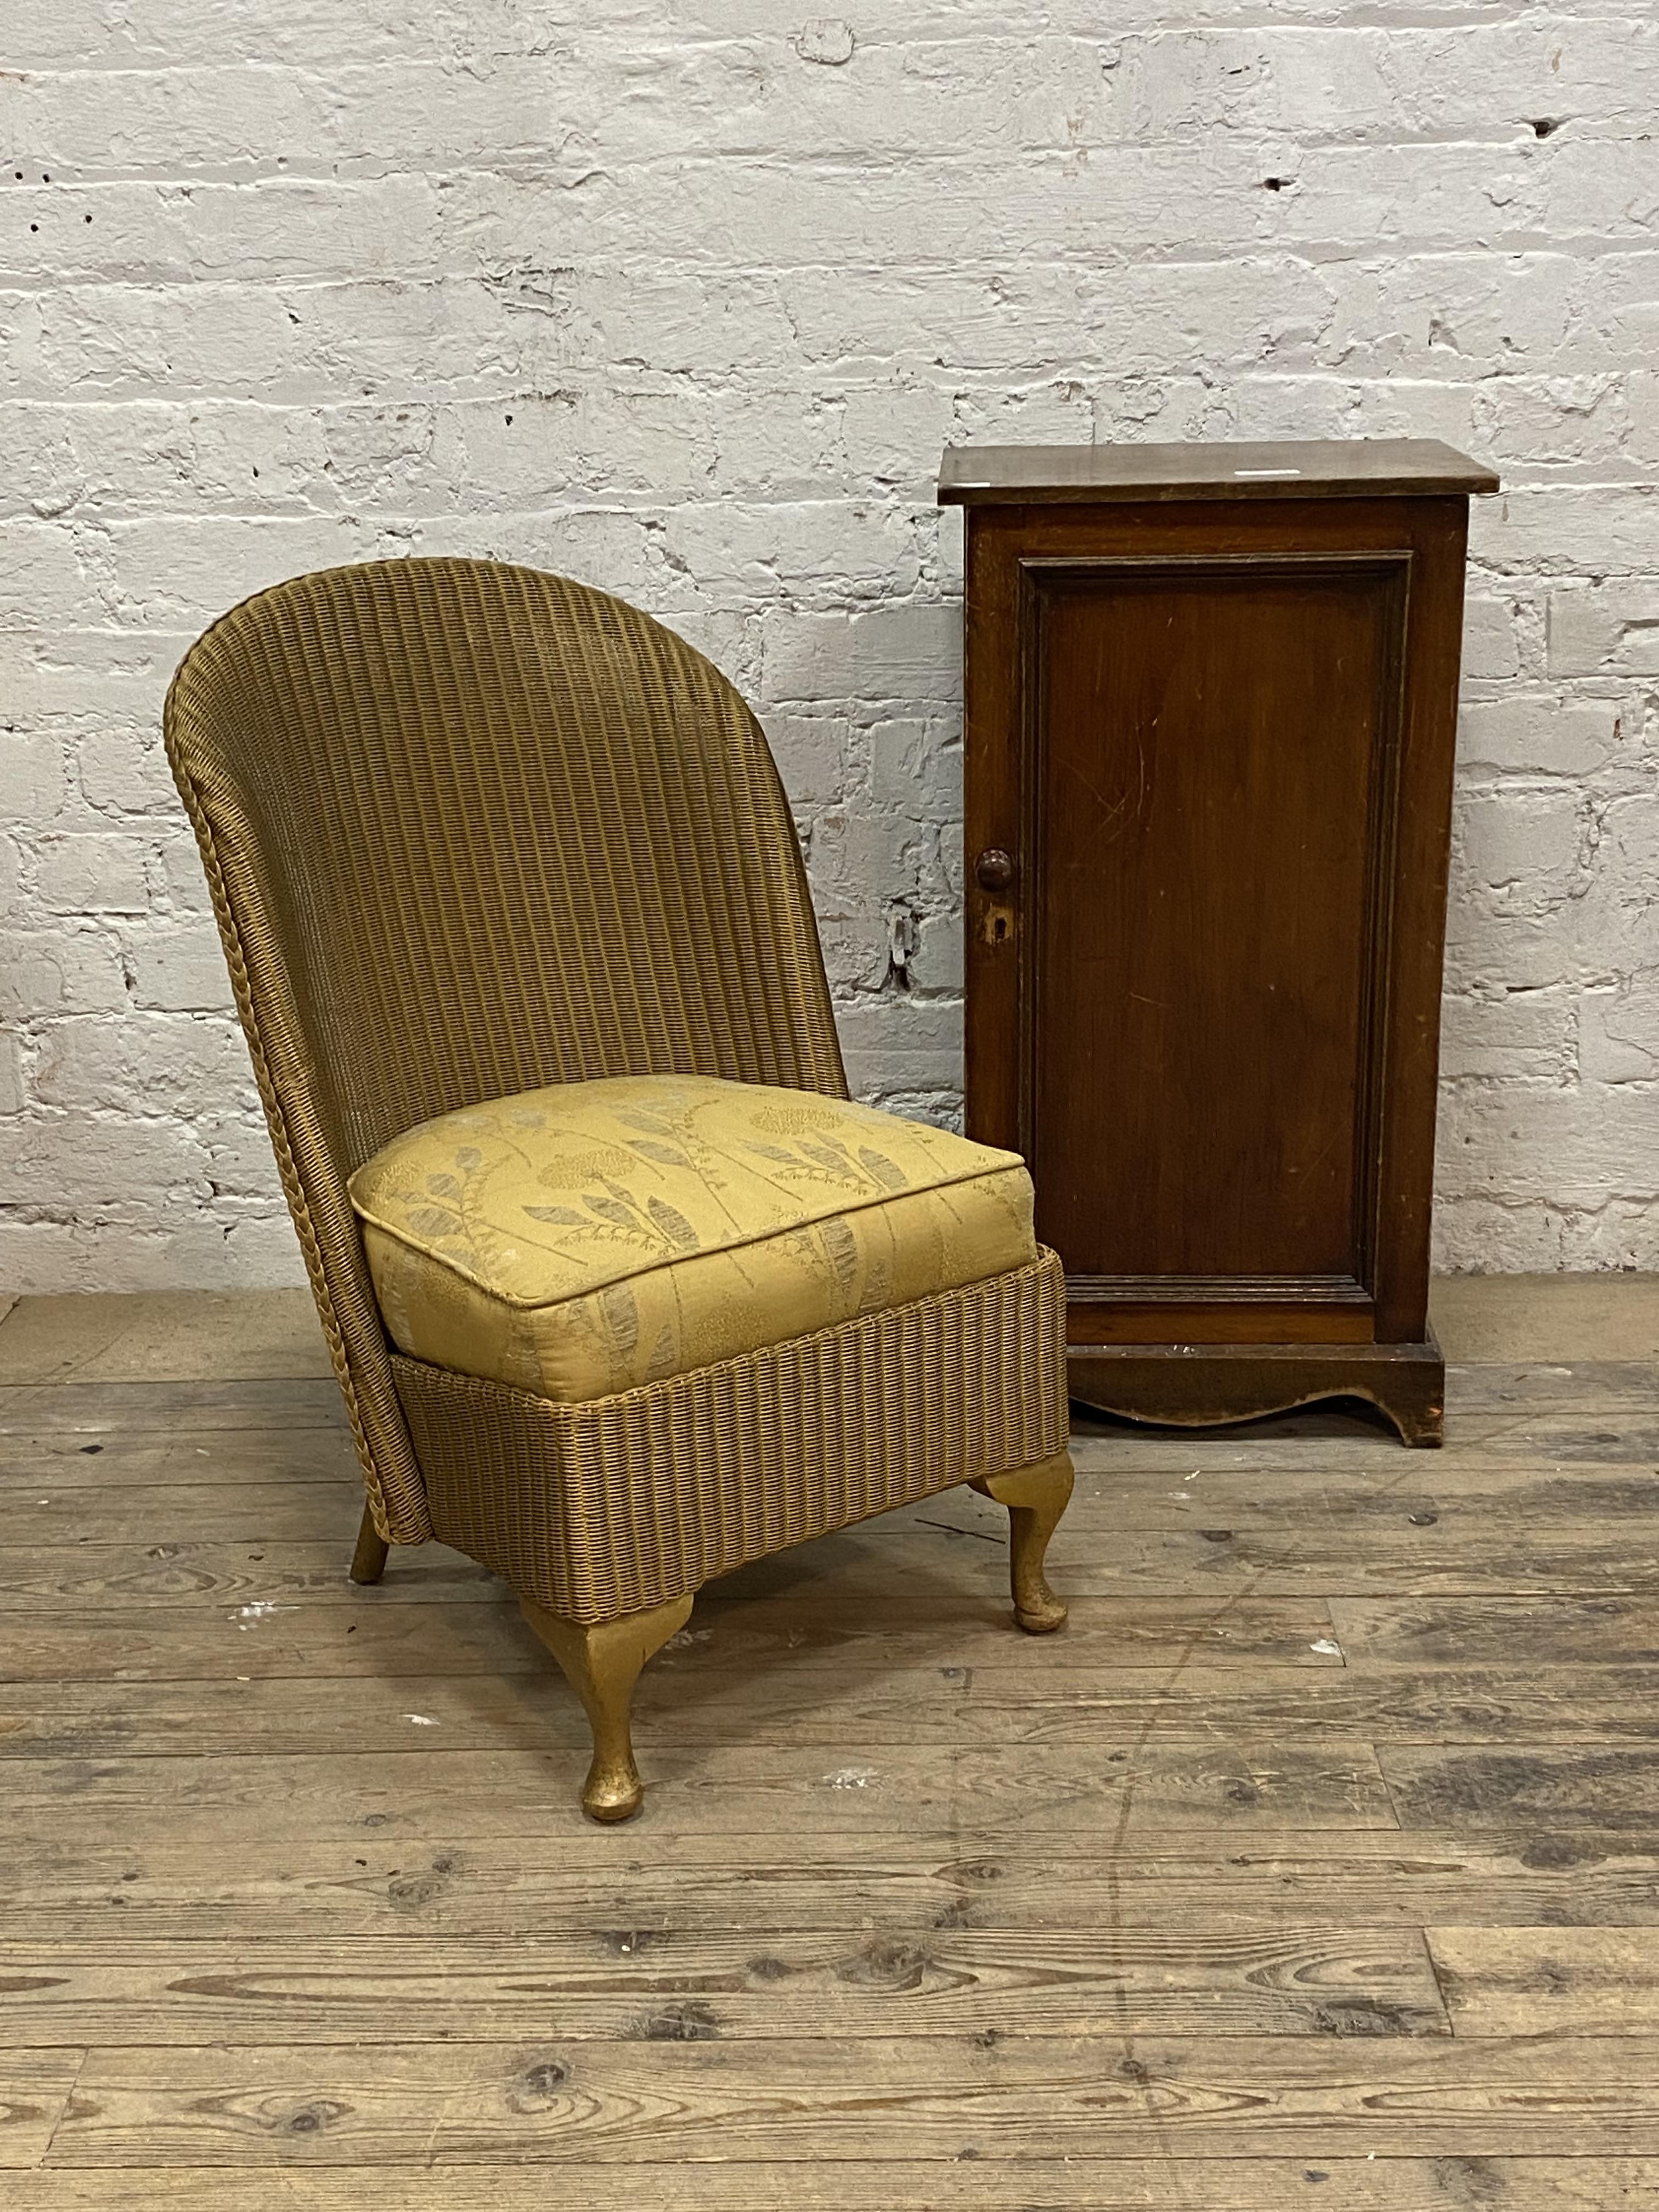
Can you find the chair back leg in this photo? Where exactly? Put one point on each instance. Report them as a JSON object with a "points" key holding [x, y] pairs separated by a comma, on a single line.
{"points": [[368, 1560]]}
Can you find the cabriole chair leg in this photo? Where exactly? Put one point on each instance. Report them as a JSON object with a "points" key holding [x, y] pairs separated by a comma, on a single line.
{"points": [[1035, 1497], [368, 1560], [602, 1665]]}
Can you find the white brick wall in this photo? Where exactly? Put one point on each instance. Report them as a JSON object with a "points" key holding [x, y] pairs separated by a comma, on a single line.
{"points": [[684, 301]]}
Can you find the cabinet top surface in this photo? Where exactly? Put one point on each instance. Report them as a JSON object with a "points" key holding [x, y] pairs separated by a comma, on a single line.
{"points": [[1334, 468]]}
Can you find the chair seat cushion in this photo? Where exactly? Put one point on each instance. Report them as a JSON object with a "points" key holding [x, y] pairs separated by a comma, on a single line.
{"points": [[585, 1239]]}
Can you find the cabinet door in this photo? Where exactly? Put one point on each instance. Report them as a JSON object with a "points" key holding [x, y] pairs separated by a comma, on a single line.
{"points": [[1210, 751]]}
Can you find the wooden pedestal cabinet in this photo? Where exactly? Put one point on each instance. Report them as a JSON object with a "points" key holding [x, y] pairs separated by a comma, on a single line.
{"points": [[1212, 699]]}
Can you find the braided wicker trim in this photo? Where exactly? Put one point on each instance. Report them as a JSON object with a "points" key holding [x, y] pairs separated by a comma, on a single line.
{"points": [[607, 1508]]}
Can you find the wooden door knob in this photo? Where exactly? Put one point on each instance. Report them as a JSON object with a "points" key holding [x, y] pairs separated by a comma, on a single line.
{"points": [[995, 869]]}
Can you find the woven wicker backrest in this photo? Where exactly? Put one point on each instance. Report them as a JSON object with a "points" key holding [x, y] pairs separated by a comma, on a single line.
{"points": [[470, 829]]}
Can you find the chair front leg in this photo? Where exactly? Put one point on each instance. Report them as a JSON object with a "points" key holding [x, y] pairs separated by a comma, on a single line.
{"points": [[602, 1663], [1035, 1497]]}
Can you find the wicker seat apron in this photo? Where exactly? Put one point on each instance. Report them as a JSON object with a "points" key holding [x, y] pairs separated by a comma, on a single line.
{"points": [[604, 1507]]}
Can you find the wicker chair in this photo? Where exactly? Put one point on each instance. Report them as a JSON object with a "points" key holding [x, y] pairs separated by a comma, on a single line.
{"points": [[492, 855]]}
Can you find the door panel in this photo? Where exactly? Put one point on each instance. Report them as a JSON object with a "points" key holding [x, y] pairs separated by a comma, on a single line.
{"points": [[1211, 749]]}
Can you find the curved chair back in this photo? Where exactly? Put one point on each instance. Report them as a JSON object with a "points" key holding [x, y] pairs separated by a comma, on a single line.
{"points": [[469, 830]]}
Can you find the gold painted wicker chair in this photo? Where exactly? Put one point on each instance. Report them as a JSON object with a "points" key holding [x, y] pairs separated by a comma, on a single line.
{"points": [[473, 832]]}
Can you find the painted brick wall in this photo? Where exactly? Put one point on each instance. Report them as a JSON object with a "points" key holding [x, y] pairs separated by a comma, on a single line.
{"points": [[684, 301]]}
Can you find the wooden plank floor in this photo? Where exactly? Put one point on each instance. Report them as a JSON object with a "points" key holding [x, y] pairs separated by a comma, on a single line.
{"points": [[1316, 1863]]}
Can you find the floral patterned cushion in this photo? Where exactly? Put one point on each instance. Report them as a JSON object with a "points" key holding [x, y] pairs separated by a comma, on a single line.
{"points": [[580, 1240]]}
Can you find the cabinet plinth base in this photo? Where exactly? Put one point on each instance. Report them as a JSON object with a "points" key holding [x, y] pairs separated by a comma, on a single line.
{"points": [[1204, 1385]]}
